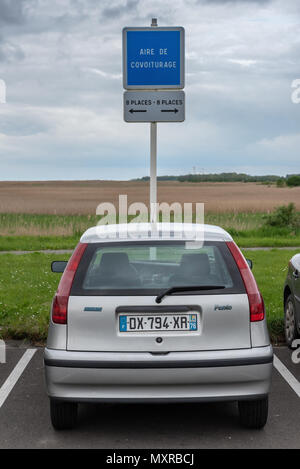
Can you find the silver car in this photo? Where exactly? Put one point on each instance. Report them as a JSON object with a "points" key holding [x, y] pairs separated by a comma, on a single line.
{"points": [[154, 315], [291, 300]]}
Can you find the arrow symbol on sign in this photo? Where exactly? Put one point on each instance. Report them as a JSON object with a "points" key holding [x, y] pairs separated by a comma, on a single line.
{"points": [[137, 110], [170, 110]]}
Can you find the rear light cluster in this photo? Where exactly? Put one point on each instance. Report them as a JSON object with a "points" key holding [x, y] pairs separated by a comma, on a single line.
{"points": [[61, 299], [256, 302]]}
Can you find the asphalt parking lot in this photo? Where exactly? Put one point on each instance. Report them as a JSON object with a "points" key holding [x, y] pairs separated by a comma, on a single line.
{"points": [[25, 421]]}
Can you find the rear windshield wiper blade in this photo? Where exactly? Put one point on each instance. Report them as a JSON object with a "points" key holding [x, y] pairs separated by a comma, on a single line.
{"points": [[171, 290]]}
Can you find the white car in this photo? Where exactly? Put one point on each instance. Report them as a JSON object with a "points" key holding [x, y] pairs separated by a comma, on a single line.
{"points": [[156, 317]]}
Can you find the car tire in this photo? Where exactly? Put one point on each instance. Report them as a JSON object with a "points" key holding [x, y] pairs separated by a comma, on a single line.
{"points": [[63, 414], [253, 414], [290, 321]]}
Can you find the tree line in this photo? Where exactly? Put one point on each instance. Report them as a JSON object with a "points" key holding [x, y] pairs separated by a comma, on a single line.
{"points": [[291, 180]]}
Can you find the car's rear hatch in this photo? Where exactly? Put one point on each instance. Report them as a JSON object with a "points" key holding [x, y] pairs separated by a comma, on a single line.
{"points": [[112, 306], [94, 324]]}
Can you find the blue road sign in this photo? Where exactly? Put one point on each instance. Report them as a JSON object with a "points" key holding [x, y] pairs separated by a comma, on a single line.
{"points": [[153, 58]]}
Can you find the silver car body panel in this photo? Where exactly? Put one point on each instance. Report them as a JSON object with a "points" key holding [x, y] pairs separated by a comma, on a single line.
{"points": [[259, 333], [295, 261], [57, 336], [292, 285], [84, 376], [156, 231]]}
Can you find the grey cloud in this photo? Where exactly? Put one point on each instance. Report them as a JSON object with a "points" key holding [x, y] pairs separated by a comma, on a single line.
{"points": [[234, 1], [10, 52], [118, 11], [56, 106], [14, 125], [35, 17], [12, 12]]}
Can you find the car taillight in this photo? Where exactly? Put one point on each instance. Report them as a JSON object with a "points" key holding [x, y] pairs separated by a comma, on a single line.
{"points": [[61, 298], [256, 302]]}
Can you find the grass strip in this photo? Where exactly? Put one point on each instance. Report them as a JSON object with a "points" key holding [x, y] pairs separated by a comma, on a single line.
{"points": [[27, 286]]}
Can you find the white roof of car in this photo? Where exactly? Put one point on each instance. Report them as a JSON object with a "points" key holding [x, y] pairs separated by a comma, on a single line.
{"points": [[155, 231]]}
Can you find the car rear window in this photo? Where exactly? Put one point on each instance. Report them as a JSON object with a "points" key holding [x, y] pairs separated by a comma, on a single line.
{"points": [[148, 268]]}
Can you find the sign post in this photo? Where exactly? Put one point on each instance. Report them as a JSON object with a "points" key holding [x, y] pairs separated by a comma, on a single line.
{"points": [[153, 162], [153, 66], [153, 172]]}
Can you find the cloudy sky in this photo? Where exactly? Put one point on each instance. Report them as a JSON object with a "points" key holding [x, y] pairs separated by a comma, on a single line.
{"points": [[61, 61]]}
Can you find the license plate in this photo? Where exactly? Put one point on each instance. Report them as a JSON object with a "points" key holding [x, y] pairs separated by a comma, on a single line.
{"points": [[158, 322]]}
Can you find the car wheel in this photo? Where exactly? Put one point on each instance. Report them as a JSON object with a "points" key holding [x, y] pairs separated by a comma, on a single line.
{"points": [[63, 414], [253, 414], [290, 326]]}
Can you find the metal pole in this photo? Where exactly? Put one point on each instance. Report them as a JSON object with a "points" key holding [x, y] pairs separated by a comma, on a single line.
{"points": [[153, 172], [153, 161]]}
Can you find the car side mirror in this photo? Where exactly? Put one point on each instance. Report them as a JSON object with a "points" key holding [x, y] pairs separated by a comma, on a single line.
{"points": [[250, 263], [58, 267]]}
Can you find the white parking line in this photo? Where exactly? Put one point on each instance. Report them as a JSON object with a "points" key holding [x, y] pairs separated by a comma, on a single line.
{"points": [[7, 387], [287, 375]]}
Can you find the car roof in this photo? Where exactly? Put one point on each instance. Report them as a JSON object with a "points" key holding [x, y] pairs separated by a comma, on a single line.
{"points": [[154, 231]]}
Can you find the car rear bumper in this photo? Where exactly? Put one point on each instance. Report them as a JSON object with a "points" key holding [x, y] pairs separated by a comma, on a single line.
{"points": [[177, 376]]}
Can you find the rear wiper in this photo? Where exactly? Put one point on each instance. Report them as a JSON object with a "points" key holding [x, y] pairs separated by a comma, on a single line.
{"points": [[171, 290]]}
